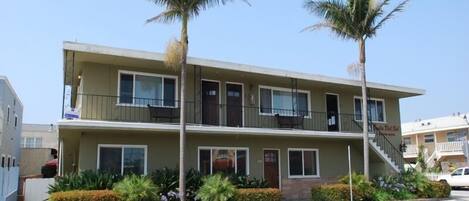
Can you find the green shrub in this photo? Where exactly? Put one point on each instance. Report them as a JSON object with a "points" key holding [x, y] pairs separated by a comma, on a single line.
{"points": [[436, 189], [382, 195], [403, 195], [415, 182], [333, 192], [86, 180], [136, 188], [243, 181], [167, 182], [258, 194], [98, 195], [361, 185], [216, 188]]}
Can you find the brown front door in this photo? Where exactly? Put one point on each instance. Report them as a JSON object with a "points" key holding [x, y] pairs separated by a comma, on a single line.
{"points": [[271, 168], [234, 102], [210, 104]]}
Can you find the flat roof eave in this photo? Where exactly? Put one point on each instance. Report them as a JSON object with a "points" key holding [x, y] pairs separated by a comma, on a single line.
{"points": [[154, 56], [198, 129]]}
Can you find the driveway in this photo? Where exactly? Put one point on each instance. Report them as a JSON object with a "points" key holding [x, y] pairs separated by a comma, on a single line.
{"points": [[460, 194]]}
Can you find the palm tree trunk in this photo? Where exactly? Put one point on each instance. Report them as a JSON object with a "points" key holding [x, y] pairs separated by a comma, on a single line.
{"points": [[366, 165], [182, 131]]}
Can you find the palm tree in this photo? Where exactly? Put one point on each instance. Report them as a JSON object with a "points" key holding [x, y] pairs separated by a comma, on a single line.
{"points": [[356, 20], [183, 11]]}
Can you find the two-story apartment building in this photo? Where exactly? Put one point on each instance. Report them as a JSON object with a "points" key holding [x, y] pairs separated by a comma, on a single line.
{"points": [[290, 128], [443, 140], [11, 117]]}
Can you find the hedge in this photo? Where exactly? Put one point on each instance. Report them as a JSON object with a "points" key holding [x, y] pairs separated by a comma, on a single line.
{"points": [[95, 195], [258, 194], [333, 192], [437, 189]]}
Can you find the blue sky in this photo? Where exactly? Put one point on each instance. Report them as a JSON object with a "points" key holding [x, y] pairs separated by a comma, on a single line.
{"points": [[424, 47]]}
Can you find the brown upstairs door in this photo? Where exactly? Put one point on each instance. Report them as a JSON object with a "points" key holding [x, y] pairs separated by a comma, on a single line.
{"points": [[210, 104], [271, 168], [234, 102], [332, 102]]}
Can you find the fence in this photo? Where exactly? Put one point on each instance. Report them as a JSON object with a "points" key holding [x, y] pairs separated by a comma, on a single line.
{"points": [[36, 189], [8, 182]]}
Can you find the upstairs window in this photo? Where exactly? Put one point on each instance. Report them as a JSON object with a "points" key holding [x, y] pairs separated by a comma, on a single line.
{"points": [[375, 110], [456, 136], [8, 114], [407, 140], [283, 101], [143, 89], [429, 138]]}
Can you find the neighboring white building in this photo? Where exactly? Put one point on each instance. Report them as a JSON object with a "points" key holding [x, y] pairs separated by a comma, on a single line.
{"points": [[39, 136], [11, 117], [443, 139], [38, 145]]}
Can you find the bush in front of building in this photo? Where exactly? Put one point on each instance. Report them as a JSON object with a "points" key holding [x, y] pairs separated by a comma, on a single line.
{"points": [[136, 188], [257, 194], [95, 195], [216, 188], [86, 180], [167, 182], [436, 189], [333, 192], [243, 181]]}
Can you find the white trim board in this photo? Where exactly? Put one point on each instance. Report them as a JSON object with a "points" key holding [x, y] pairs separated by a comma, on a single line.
{"points": [[139, 54], [197, 129]]}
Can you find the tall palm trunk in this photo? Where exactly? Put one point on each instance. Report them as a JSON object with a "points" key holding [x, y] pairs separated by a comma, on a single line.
{"points": [[366, 165], [182, 131]]}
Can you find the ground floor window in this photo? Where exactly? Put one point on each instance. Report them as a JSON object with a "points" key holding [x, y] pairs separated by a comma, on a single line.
{"points": [[226, 160], [123, 159], [303, 163]]}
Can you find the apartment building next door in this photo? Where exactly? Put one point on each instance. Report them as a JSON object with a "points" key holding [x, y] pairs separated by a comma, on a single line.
{"points": [[332, 106], [272, 167], [234, 105], [210, 102]]}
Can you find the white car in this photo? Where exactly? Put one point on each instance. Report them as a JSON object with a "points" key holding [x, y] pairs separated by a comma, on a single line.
{"points": [[458, 178]]}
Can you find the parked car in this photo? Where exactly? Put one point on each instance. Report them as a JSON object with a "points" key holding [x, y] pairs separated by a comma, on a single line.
{"points": [[458, 178]]}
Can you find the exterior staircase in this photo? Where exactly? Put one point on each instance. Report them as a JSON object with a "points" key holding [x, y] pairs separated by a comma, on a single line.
{"points": [[385, 149]]}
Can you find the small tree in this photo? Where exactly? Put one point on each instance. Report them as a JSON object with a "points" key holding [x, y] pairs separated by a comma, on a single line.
{"points": [[421, 159]]}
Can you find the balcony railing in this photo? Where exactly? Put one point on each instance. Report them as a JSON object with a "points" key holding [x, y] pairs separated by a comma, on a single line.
{"points": [[450, 147], [411, 151], [112, 108]]}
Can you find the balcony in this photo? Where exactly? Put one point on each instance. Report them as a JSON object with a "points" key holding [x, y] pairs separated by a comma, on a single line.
{"points": [[112, 108], [450, 148], [411, 151], [441, 149]]}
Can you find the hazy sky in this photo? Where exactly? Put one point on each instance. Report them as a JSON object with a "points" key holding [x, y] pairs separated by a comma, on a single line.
{"points": [[425, 47]]}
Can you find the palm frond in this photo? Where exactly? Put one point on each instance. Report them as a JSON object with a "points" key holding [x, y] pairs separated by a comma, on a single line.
{"points": [[398, 8], [167, 16]]}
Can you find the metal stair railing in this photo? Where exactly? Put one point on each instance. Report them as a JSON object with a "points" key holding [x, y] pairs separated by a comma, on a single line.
{"points": [[393, 153]]}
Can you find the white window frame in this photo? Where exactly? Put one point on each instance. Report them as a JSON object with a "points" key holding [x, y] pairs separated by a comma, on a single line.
{"points": [[463, 132], [24, 140], [433, 136], [373, 99], [133, 73], [271, 88], [122, 146], [211, 148], [318, 175], [404, 139]]}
